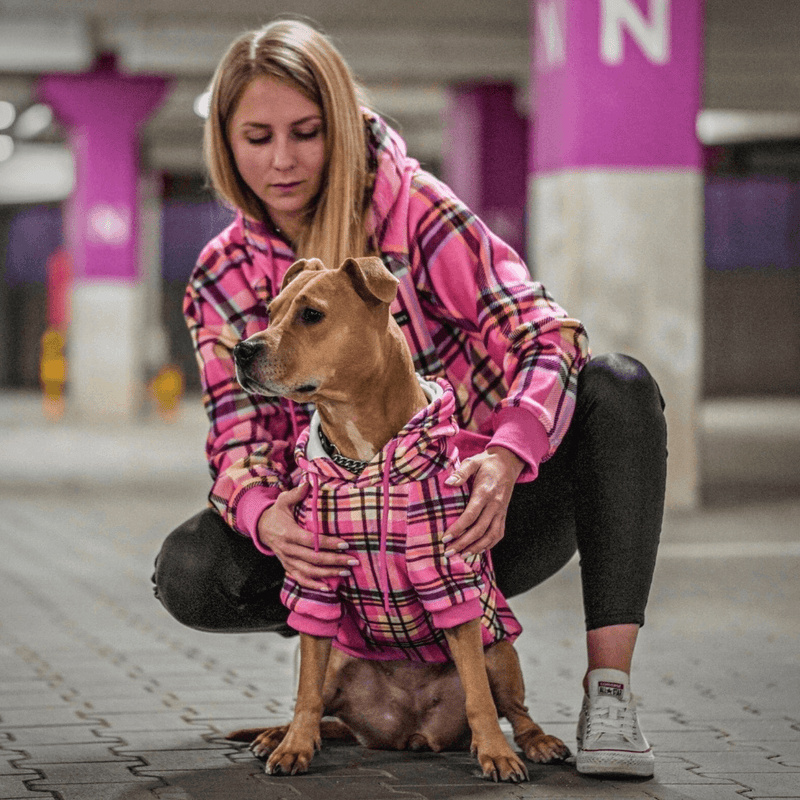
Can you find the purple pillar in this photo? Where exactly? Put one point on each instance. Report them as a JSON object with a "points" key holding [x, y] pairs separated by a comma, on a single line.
{"points": [[616, 83], [103, 111], [617, 190], [485, 156]]}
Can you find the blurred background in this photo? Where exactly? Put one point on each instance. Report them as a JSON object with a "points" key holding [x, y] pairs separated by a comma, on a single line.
{"points": [[441, 72]]}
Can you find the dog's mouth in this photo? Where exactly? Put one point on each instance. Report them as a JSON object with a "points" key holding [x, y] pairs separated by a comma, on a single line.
{"points": [[269, 389]]}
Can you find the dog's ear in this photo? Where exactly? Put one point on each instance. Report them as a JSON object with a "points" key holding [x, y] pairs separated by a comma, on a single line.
{"points": [[303, 265], [371, 280]]}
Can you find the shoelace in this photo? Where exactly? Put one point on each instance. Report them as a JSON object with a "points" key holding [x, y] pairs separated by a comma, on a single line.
{"points": [[613, 718]]}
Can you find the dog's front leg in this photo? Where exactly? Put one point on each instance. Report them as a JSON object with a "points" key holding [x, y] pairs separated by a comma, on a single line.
{"points": [[295, 752], [495, 755]]}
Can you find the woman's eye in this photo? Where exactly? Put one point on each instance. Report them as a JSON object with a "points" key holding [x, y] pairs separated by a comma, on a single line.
{"points": [[307, 135], [310, 316], [261, 140]]}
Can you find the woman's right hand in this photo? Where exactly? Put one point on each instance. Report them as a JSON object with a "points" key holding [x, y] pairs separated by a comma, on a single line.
{"points": [[294, 546]]}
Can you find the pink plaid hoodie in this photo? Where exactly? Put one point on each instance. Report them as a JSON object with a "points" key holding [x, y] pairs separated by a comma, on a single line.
{"points": [[393, 515], [466, 305]]}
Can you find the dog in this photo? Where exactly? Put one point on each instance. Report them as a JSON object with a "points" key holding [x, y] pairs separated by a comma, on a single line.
{"points": [[333, 342]]}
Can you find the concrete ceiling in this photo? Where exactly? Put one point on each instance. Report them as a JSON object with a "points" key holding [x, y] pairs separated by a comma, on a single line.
{"points": [[405, 53]]}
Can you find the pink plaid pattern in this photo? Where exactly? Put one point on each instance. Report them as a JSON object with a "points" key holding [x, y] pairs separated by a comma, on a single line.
{"points": [[466, 305], [424, 591]]}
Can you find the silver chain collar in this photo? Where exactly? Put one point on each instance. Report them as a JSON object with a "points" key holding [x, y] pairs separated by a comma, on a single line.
{"points": [[350, 464]]}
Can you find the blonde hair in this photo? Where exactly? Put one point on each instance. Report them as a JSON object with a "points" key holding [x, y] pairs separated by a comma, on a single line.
{"points": [[303, 58]]}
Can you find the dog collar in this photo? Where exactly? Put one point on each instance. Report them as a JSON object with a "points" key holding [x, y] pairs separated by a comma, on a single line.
{"points": [[350, 464]]}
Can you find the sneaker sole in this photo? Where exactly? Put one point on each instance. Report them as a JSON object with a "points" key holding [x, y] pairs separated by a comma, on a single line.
{"points": [[615, 763]]}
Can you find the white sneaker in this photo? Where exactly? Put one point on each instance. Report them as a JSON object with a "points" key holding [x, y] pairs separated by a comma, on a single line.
{"points": [[610, 741]]}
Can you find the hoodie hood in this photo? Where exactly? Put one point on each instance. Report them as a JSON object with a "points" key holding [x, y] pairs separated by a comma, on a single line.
{"points": [[423, 448]]}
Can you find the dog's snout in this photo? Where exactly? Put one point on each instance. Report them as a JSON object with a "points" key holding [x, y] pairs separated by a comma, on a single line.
{"points": [[245, 352]]}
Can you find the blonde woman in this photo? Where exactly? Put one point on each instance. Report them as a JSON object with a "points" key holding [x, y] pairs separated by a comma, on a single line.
{"points": [[562, 451]]}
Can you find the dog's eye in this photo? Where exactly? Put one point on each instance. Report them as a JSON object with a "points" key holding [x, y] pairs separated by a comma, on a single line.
{"points": [[310, 316]]}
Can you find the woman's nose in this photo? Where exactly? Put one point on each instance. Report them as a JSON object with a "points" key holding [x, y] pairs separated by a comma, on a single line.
{"points": [[283, 155]]}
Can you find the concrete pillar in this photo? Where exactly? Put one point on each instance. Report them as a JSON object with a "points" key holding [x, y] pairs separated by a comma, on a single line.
{"points": [[616, 190], [486, 156], [103, 111]]}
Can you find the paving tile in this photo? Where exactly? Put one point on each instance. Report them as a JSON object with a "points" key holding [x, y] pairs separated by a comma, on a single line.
{"points": [[786, 753], [13, 786], [688, 741], [680, 772], [109, 791], [735, 761], [158, 761], [47, 698], [58, 775], [767, 784], [762, 730], [62, 734], [26, 717], [133, 702], [156, 720], [70, 753], [728, 791], [9, 759], [188, 739], [25, 685]]}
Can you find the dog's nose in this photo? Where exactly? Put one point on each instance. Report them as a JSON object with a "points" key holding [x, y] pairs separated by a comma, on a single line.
{"points": [[244, 353]]}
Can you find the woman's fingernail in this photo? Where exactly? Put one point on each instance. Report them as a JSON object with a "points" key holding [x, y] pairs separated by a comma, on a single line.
{"points": [[453, 479], [447, 539], [449, 553], [343, 545], [344, 573], [353, 562]]}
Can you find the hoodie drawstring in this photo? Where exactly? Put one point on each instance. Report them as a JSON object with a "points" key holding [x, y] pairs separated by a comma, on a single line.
{"points": [[313, 517], [383, 557]]}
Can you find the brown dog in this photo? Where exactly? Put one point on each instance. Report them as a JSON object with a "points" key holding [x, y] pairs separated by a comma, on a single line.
{"points": [[332, 341]]}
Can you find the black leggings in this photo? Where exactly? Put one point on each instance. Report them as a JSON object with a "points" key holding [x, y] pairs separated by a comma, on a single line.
{"points": [[602, 493]]}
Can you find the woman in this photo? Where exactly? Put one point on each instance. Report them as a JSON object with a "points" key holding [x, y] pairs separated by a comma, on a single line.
{"points": [[562, 451]]}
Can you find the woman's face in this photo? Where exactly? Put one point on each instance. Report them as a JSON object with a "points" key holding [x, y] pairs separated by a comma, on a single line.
{"points": [[278, 141]]}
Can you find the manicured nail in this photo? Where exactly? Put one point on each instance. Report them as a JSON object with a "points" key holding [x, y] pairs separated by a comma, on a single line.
{"points": [[344, 573], [449, 553], [451, 480], [353, 562], [343, 545], [447, 539]]}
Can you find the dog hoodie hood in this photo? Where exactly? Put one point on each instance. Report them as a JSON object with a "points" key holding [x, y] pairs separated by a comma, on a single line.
{"points": [[394, 514]]}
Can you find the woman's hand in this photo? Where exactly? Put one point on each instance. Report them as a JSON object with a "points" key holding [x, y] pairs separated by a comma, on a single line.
{"points": [[294, 546], [483, 522]]}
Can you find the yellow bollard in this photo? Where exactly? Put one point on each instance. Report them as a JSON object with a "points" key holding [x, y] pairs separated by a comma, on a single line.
{"points": [[53, 373], [167, 390]]}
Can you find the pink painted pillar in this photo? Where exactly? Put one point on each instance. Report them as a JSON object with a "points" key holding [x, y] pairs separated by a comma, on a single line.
{"points": [[616, 179], [103, 111], [486, 154]]}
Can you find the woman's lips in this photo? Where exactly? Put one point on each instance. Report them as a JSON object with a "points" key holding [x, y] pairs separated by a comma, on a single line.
{"points": [[286, 187]]}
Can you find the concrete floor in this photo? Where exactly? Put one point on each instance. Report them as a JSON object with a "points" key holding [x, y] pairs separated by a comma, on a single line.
{"points": [[103, 695]]}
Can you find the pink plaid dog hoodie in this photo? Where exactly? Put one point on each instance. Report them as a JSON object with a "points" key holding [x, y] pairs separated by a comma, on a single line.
{"points": [[393, 515]]}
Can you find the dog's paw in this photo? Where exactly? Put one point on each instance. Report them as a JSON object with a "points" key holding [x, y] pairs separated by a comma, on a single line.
{"points": [[501, 763], [288, 759], [542, 748], [262, 740]]}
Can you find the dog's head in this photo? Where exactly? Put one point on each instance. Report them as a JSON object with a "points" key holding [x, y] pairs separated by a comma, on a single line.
{"points": [[325, 332]]}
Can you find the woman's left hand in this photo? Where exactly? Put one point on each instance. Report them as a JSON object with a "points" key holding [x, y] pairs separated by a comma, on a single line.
{"points": [[483, 522]]}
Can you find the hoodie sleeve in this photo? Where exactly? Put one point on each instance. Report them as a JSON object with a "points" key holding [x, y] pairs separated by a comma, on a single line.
{"points": [[520, 352], [249, 439]]}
